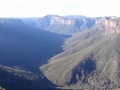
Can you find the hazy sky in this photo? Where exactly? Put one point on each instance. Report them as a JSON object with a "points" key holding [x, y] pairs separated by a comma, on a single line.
{"points": [[39, 8]]}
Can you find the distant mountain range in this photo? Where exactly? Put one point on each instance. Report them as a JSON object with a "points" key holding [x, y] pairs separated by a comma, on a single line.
{"points": [[61, 25], [54, 52]]}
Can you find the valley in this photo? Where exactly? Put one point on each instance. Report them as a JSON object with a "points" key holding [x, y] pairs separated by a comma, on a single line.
{"points": [[55, 52]]}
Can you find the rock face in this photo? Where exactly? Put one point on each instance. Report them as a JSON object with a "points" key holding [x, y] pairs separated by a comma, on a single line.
{"points": [[60, 20], [109, 25], [67, 25], [61, 25]]}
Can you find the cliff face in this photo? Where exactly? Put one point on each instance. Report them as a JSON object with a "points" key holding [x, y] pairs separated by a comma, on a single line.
{"points": [[64, 25], [69, 21], [61, 25], [109, 25], [58, 20]]}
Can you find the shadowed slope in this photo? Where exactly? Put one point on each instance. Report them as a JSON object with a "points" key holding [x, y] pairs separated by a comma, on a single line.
{"points": [[26, 47], [16, 79]]}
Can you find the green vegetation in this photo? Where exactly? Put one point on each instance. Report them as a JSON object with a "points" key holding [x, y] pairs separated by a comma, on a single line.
{"points": [[27, 47], [17, 79], [34, 59], [90, 61]]}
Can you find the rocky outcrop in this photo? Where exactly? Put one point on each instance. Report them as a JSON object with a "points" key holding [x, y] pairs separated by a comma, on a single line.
{"points": [[109, 25], [62, 21]]}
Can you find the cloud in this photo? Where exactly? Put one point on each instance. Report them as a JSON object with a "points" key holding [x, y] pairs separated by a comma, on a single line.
{"points": [[25, 8]]}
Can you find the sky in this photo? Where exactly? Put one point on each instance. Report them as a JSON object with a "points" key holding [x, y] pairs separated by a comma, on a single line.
{"points": [[40, 8]]}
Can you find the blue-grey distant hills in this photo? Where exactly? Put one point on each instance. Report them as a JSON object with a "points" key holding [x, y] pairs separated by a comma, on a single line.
{"points": [[61, 24]]}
